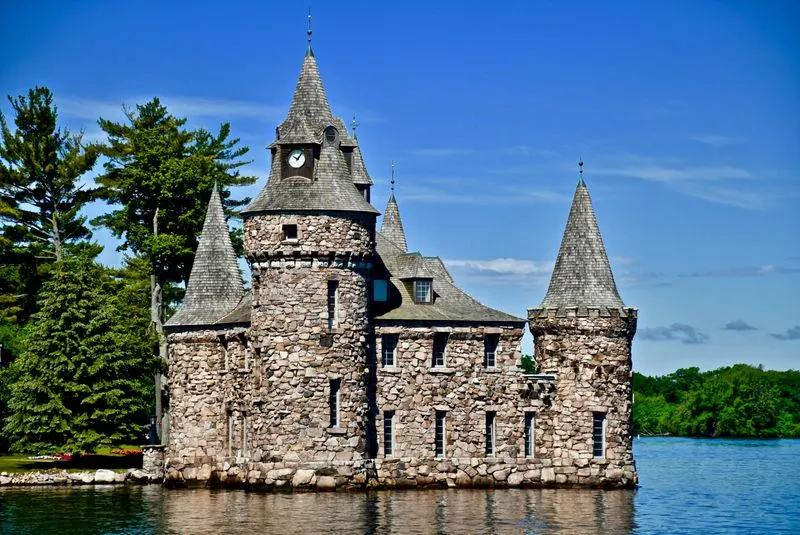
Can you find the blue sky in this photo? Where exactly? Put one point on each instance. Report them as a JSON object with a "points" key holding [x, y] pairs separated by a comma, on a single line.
{"points": [[686, 114]]}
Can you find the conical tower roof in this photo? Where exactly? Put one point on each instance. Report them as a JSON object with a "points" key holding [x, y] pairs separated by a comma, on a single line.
{"points": [[582, 275], [360, 174], [215, 284], [310, 111], [392, 225]]}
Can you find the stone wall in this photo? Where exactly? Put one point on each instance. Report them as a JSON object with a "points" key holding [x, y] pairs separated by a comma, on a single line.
{"points": [[590, 357]]}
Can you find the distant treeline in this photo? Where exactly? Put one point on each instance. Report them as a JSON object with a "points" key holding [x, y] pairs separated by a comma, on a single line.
{"points": [[737, 401]]}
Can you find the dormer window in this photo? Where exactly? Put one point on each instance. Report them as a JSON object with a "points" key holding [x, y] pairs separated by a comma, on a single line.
{"points": [[289, 233], [331, 136], [422, 291]]}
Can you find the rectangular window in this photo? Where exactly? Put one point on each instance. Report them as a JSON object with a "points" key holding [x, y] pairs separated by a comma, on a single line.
{"points": [[440, 433], [289, 233], [224, 343], [530, 429], [422, 291], [490, 434], [439, 349], [599, 434], [230, 435], [380, 290], [333, 302], [334, 402], [490, 350], [243, 451], [388, 433], [388, 349]]}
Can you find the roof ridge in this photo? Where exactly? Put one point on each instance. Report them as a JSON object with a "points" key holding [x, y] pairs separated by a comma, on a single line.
{"points": [[215, 283], [582, 274]]}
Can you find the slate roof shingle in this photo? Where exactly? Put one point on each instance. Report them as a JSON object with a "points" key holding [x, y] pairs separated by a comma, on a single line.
{"points": [[215, 284], [582, 274], [392, 225]]}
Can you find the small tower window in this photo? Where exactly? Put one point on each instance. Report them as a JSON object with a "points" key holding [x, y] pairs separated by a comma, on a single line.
{"points": [[388, 433], [331, 135], [380, 290], [599, 434], [490, 417], [333, 302], [490, 350], [334, 402], [530, 430], [289, 232], [422, 291], [439, 439]]}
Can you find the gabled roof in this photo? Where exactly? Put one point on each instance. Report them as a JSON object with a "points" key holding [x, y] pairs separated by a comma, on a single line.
{"points": [[582, 275], [450, 304], [392, 225], [215, 284]]}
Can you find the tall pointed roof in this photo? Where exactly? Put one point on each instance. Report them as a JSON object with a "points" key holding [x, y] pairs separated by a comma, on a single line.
{"points": [[310, 111], [215, 285], [582, 275], [360, 174], [392, 225]]}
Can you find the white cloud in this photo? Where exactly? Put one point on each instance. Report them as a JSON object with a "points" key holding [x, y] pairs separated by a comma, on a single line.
{"points": [[87, 108], [416, 192], [503, 266]]}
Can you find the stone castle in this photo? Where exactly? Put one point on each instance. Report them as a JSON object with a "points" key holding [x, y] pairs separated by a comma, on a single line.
{"points": [[354, 363]]}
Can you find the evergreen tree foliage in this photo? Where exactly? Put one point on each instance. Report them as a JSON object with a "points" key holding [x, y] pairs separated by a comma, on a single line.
{"points": [[83, 380], [40, 196]]}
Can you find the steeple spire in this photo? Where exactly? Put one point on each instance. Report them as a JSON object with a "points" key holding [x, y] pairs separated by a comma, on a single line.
{"points": [[215, 284], [582, 275], [392, 225], [354, 125], [309, 52]]}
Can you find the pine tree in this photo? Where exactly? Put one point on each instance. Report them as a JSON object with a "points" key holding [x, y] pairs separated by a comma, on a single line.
{"points": [[83, 379], [40, 194], [160, 176]]}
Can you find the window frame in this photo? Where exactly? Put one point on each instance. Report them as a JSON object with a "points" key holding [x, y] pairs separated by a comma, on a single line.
{"points": [[394, 341], [440, 340], [334, 402], [530, 435], [332, 303], [385, 284], [491, 342], [599, 430], [428, 297], [440, 434], [490, 434], [285, 235], [388, 433]]}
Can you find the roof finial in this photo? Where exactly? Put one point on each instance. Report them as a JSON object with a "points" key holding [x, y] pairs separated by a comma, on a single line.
{"points": [[309, 29], [392, 176], [354, 125], [580, 169]]}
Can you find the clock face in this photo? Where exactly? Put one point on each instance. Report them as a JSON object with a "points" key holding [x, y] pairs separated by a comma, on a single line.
{"points": [[297, 158]]}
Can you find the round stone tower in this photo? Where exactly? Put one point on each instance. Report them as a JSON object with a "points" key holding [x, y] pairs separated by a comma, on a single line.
{"points": [[310, 239], [582, 335]]}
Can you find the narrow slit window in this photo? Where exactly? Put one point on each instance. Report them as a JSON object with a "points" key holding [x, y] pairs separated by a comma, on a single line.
{"points": [[530, 430], [440, 438], [490, 350], [230, 435], [334, 402], [388, 349], [490, 432], [333, 302], [246, 356], [289, 232], [439, 349], [224, 343], [599, 434], [244, 436], [388, 433]]}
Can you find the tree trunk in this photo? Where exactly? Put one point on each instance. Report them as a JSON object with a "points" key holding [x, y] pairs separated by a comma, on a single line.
{"points": [[156, 317], [56, 237]]}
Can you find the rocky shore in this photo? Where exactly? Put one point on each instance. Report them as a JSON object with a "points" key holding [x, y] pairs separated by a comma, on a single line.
{"points": [[88, 477]]}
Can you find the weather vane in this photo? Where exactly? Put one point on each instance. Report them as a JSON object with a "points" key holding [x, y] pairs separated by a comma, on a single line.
{"points": [[392, 176], [309, 27], [354, 125], [580, 168]]}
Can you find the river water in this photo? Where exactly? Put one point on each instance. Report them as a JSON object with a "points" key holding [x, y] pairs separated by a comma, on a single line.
{"points": [[686, 486]]}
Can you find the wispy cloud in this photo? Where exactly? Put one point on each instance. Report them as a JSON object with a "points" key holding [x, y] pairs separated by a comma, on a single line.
{"points": [[708, 182], [793, 333], [416, 192], [442, 152], [87, 108], [716, 140], [739, 325], [685, 334], [751, 271], [503, 266]]}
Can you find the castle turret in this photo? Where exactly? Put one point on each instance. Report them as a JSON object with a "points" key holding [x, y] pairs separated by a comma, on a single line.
{"points": [[582, 335], [310, 239]]}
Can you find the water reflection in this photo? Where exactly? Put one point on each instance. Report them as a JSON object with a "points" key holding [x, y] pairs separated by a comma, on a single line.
{"points": [[140, 510]]}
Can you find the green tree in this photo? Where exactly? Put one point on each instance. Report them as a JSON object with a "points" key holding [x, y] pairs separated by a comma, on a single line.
{"points": [[160, 176], [40, 195], [83, 378]]}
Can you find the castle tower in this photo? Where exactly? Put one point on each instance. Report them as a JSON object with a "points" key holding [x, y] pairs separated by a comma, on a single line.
{"points": [[310, 239], [582, 335], [199, 334]]}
